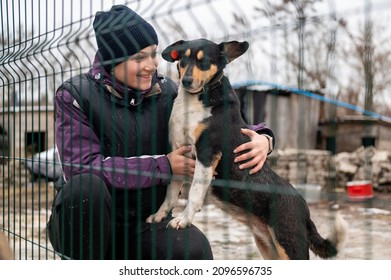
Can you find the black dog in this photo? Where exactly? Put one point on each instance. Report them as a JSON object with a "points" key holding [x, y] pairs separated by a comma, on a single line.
{"points": [[206, 115]]}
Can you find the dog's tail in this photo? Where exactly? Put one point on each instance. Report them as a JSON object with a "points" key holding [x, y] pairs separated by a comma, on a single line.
{"points": [[329, 247]]}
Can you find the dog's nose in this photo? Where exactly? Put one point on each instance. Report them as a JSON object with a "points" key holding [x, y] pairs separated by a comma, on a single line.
{"points": [[187, 81]]}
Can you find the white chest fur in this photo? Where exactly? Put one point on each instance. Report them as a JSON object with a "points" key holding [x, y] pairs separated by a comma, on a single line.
{"points": [[187, 114]]}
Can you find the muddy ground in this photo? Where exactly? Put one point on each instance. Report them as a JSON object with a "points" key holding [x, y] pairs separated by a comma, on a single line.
{"points": [[24, 213], [369, 235]]}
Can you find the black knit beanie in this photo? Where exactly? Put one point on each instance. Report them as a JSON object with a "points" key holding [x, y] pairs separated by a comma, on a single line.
{"points": [[120, 33]]}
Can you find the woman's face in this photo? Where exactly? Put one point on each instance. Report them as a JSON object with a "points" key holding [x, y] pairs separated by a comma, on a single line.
{"points": [[138, 70]]}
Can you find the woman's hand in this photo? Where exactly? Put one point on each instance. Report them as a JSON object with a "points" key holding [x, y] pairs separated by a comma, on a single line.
{"points": [[258, 149], [181, 164]]}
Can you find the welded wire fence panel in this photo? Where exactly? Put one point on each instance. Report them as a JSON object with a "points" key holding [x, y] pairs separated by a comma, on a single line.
{"points": [[316, 72]]}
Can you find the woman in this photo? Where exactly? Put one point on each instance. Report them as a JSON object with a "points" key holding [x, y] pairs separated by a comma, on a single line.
{"points": [[112, 138]]}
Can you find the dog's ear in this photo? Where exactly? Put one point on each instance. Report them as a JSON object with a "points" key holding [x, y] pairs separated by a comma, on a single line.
{"points": [[233, 49], [173, 52]]}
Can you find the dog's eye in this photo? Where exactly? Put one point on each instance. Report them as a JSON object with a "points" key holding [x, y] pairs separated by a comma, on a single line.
{"points": [[204, 64], [184, 61]]}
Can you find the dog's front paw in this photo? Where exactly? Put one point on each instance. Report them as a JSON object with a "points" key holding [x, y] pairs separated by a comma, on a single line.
{"points": [[157, 217], [179, 222]]}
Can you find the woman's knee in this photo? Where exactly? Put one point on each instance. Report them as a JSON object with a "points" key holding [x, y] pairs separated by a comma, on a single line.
{"points": [[81, 217], [195, 247], [185, 244], [83, 188], [83, 195]]}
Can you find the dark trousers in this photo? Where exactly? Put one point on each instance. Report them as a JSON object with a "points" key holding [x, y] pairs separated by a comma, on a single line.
{"points": [[85, 225]]}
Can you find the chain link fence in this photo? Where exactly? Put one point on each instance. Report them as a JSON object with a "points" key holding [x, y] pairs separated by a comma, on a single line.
{"points": [[316, 72]]}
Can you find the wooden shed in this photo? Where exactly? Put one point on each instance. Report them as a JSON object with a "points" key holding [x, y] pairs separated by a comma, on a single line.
{"points": [[29, 129], [304, 121], [294, 118], [349, 132]]}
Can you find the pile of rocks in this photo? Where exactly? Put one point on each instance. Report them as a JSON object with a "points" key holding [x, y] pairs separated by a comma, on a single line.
{"points": [[320, 167], [364, 164]]}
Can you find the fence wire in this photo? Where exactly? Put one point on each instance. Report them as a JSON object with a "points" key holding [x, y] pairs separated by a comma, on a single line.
{"points": [[316, 73]]}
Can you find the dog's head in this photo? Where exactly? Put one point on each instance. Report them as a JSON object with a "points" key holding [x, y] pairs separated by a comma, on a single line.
{"points": [[201, 60]]}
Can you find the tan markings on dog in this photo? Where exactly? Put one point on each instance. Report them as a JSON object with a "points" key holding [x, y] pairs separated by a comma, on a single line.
{"points": [[263, 247], [259, 229], [262, 238], [200, 55], [216, 160], [198, 130], [182, 70], [265, 239], [281, 251], [200, 75]]}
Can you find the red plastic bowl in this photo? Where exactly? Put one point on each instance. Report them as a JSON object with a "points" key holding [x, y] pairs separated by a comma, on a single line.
{"points": [[359, 190]]}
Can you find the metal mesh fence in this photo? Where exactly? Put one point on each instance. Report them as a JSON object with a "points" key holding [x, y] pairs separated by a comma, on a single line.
{"points": [[316, 73]]}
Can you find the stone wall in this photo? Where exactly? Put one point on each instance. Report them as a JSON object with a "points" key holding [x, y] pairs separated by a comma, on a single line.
{"points": [[303, 166]]}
